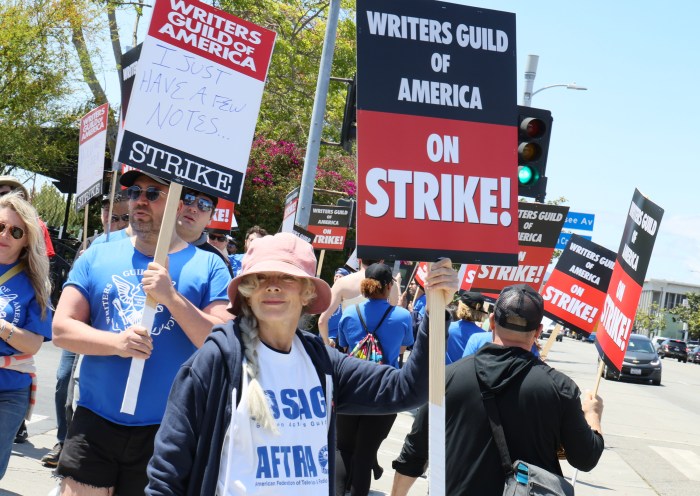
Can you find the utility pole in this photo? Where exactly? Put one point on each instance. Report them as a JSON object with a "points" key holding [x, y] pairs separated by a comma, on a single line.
{"points": [[308, 177], [530, 74]]}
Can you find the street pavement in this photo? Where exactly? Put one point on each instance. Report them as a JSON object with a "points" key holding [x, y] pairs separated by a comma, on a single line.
{"points": [[652, 434]]}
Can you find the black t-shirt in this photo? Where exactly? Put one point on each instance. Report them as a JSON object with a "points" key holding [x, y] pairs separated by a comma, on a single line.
{"points": [[539, 408]]}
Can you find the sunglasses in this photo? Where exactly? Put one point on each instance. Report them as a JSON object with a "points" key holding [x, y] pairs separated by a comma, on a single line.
{"points": [[15, 232], [152, 194], [215, 237], [202, 204], [122, 217]]}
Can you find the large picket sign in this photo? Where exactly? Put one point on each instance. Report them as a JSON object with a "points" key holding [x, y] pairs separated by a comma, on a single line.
{"points": [[622, 298], [196, 97], [91, 155], [437, 138], [575, 291], [539, 226]]}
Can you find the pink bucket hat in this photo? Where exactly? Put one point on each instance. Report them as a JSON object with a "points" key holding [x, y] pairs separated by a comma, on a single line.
{"points": [[283, 253]]}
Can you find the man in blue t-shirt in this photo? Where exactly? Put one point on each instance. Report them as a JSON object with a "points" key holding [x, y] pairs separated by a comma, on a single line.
{"points": [[99, 316]]}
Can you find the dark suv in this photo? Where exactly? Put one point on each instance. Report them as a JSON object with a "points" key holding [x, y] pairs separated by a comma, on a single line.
{"points": [[674, 348]]}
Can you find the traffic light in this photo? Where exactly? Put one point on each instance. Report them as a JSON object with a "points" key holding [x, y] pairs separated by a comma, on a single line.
{"points": [[534, 131], [348, 131]]}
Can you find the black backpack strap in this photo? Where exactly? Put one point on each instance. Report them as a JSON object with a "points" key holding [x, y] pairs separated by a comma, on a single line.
{"points": [[499, 437], [362, 320]]}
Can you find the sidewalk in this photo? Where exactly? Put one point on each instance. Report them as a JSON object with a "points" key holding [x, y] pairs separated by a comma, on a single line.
{"points": [[27, 477]]}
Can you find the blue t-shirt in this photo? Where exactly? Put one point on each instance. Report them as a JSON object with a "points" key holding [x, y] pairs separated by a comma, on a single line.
{"points": [[236, 262], [18, 306], [334, 322], [113, 236], [458, 335], [109, 277], [419, 306], [480, 339], [396, 330]]}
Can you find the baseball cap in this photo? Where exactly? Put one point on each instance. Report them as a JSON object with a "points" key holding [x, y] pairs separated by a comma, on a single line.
{"points": [[130, 177], [342, 271], [287, 254], [473, 299], [379, 272], [519, 308]]}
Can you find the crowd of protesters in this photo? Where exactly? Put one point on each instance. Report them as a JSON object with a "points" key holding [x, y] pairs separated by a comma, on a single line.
{"points": [[237, 399]]}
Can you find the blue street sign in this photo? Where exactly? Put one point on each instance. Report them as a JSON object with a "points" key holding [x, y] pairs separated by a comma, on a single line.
{"points": [[564, 239], [577, 220]]}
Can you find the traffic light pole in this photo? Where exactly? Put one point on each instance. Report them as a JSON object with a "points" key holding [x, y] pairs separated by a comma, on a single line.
{"points": [[308, 177], [530, 74]]}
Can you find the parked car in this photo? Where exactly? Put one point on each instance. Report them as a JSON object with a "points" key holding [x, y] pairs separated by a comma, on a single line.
{"points": [[694, 355], [657, 340], [591, 338], [546, 333], [641, 362], [692, 344], [674, 348]]}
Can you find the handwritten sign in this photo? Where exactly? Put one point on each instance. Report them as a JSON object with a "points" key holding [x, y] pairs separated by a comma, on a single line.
{"points": [[91, 155], [196, 97]]}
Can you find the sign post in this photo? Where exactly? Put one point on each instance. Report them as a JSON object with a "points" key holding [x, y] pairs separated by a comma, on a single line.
{"points": [[198, 84]]}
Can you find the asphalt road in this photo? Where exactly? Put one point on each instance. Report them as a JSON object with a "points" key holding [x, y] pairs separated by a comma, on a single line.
{"points": [[652, 433]]}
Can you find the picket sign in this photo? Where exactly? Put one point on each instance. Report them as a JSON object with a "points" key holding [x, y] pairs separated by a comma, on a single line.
{"points": [[133, 382], [436, 393]]}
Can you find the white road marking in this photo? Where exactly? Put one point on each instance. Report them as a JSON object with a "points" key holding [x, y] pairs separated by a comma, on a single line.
{"points": [[686, 461], [36, 418]]}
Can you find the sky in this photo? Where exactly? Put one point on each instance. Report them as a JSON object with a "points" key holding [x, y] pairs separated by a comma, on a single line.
{"points": [[636, 126]]}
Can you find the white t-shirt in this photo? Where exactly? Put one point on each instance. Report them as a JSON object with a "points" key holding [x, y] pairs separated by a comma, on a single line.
{"points": [[295, 461]]}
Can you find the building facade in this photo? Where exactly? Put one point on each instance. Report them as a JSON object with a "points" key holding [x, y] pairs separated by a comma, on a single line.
{"points": [[667, 295]]}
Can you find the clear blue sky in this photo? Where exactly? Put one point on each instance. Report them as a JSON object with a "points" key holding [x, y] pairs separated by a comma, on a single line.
{"points": [[637, 125]]}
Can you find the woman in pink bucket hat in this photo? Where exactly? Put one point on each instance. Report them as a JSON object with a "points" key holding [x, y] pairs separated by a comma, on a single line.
{"points": [[253, 411]]}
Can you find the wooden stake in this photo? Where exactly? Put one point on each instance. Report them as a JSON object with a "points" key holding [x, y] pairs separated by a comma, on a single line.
{"points": [[85, 226], [436, 393], [320, 263], [165, 237]]}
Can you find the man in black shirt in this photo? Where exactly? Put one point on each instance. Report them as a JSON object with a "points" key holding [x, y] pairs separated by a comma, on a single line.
{"points": [[540, 408]]}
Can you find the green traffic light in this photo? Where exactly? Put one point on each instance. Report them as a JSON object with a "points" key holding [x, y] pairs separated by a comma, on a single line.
{"points": [[525, 174]]}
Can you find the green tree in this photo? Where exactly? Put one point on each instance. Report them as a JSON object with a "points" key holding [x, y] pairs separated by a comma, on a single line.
{"points": [[34, 85], [650, 321], [689, 314]]}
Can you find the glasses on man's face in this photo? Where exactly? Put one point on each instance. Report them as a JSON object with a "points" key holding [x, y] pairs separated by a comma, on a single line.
{"points": [[15, 232], [202, 204], [217, 237], [152, 193], [122, 217]]}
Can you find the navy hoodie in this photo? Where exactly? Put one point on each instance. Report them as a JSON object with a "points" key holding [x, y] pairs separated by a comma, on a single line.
{"points": [[188, 445]]}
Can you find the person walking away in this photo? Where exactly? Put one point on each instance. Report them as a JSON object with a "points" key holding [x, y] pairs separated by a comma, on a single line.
{"points": [[360, 436]]}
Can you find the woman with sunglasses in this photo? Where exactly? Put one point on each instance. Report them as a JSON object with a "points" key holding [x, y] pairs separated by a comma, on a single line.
{"points": [[25, 313]]}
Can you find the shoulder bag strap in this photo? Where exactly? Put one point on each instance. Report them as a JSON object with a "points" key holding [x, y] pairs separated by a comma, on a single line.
{"points": [[499, 437], [11, 273], [362, 320]]}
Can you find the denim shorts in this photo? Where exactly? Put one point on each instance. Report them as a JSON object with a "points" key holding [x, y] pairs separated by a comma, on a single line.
{"points": [[100, 453]]}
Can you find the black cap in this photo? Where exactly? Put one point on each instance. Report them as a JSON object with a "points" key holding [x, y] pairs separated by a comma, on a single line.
{"points": [[379, 272], [472, 299], [519, 308], [130, 177]]}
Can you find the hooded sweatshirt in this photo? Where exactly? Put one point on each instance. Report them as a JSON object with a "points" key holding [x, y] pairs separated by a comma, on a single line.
{"points": [[540, 410], [188, 445]]}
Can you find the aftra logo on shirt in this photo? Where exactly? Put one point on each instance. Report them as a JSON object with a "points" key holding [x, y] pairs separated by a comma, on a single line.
{"points": [[289, 461]]}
